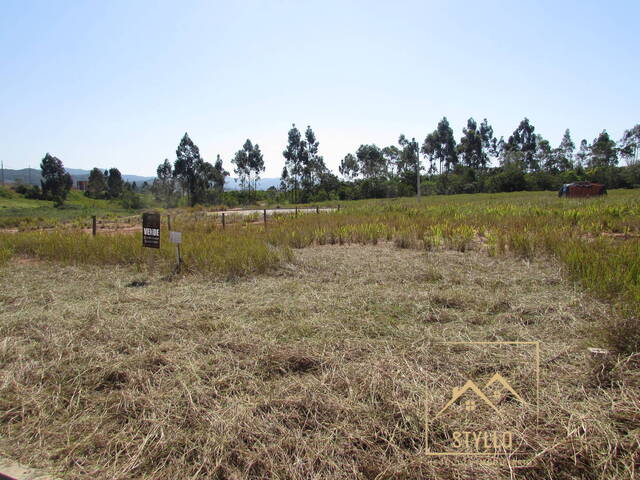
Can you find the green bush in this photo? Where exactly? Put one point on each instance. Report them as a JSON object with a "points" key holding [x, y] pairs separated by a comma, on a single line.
{"points": [[132, 201]]}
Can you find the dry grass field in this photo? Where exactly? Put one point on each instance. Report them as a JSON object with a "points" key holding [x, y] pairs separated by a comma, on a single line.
{"points": [[315, 369]]}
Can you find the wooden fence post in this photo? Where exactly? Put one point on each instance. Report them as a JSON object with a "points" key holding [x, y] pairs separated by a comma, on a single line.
{"points": [[93, 225], [317, 209], [169, 222], [296, 211], [338, 207], [223, 225], [264, 214]]}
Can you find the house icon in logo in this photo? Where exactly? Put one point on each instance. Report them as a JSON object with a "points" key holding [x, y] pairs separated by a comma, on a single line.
{"points": [[478, 412], [505, 389]]}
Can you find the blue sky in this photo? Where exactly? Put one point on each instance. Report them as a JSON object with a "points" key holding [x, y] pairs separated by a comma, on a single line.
{"points": [[117, 83]]}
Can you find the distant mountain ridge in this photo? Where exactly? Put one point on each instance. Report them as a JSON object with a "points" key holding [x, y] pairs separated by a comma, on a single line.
{"points": [[32, 176]]}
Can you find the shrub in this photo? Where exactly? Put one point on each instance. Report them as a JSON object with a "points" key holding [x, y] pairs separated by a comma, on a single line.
{"points": [[132, 201], [6, 193], [29, 191]]}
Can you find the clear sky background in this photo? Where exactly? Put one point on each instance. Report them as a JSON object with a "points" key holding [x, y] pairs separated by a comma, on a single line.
{"points": [[117, 83]]}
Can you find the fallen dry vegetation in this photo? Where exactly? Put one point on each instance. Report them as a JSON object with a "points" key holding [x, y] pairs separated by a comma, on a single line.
{"points": [[317, 369]]}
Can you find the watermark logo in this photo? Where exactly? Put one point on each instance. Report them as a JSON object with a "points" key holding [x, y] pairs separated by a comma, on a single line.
{"points": [[487, 404]]}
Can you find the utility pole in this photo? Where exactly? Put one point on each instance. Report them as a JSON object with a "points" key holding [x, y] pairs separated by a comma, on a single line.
{"points": [[414, 144]]}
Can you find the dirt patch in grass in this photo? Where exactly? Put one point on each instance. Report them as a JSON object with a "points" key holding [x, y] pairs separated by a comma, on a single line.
{"points": [[316, 370]]}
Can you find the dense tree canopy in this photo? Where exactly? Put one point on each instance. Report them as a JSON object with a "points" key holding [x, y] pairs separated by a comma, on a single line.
{"points": [[305, 173], [194, 175], [97, 184], [114, 183], [190, 175]]}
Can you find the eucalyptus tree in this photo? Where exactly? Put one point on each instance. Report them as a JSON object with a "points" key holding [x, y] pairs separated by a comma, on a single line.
{"points": [[546, 157], [256, 165], [429, 149], [603, 151], [284, 180], [447, 148], [410, 159], [470, 148], [583, 155], [522, 146], [392, 158], [249, 163], [489, 144], [185, 167], [219, 175], [371, 162], [194, 174], [294, 158], [440, 147], [630, 145], [164, 186], [565, 151], [313, 168], [349, 167]]}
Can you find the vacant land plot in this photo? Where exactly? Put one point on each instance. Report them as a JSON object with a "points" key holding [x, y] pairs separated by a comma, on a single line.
{"points": [[314, 369]]}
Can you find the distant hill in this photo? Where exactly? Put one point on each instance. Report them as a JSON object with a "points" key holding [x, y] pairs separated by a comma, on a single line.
{"points": [[32, 176], [26, 175]]}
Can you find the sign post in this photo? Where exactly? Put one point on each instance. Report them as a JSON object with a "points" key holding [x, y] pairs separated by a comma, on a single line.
{"points": [[151, 230], [176, 237]]}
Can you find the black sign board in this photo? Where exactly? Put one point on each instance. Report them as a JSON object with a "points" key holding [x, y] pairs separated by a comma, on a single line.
{"points": [[151, 230]]}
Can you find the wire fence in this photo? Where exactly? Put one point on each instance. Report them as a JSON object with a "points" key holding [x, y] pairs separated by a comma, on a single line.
{"points": [[224, 218]]}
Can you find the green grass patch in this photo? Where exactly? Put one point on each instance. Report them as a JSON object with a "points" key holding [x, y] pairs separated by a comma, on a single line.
{"points": [[19, 212]]}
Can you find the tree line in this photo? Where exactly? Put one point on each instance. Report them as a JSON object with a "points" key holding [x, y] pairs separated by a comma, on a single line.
{"points": [[477, 162], [56, 183], [305, 176], [481, 162], [190, 176]]}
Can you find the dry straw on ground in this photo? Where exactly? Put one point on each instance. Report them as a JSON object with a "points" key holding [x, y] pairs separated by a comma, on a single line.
{"points": [[316, 370]]}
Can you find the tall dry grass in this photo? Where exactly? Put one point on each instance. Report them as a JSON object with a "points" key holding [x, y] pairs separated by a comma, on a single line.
{"points": [[596, 239]]}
